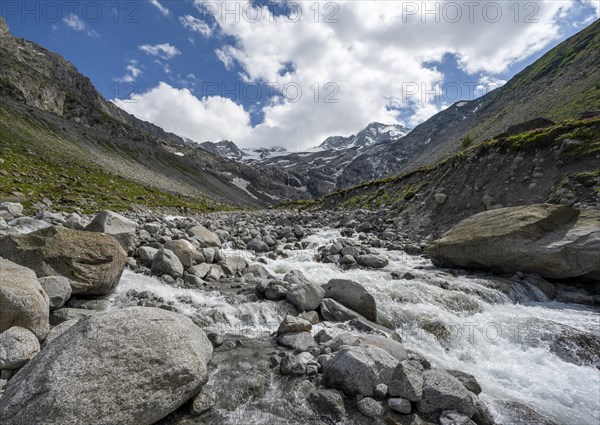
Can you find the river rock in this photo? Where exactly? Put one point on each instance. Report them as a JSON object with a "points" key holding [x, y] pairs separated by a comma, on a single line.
{"points": [[146, 254], [257, 246], [166, 262], [554, 241], [58, 289], [370, 408], [450, 417], [184, 250], [23, 302], [329, 405], [17, 346], [300, 341], [372, 260], [68, 313], [357, 369], [93, 262], [400, 405], [13, 208], [202, 234], [129, 366], [306, 296], [294, 324], [407, 381], [468, 380], [442, 391], [122, 228], [352, 295]]}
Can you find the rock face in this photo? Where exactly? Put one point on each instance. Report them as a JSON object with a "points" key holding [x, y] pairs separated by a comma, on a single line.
{"points": [[93, 262], [555, 241], [352, 295], [23, 302], [122, 228], [17, 347], [129, 366]]}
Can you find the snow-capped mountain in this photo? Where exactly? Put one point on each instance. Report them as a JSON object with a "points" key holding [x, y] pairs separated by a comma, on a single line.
{"points": [[372, 134], [228, 149]]}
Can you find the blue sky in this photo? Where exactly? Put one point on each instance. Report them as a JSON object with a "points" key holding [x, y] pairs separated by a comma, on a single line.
{"points": [[203, 74]]}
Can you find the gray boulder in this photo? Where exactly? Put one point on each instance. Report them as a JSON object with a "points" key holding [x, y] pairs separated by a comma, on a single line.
{"points": [[17, 347], [373, 261], [369, 407], [257, 246], [554, 241], [166, 262], [357, 369], [13, 208], [202, 234], [129, 366], [58, 289], [146, 254], [407, 381], [306, 296], [400, 405], [294, 324], [442, 391], [468, 380], [301, 341], [295, 277], [23, 302], [352, 295], [450, 417], [122, 228], [329, 405], [184, 250], [93, 262], [68, 313]]}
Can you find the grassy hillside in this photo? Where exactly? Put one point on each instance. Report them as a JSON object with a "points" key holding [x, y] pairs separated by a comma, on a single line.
{"points": [[40, 163]]}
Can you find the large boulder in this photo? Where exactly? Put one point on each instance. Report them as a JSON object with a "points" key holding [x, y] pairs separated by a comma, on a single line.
{"points": [[442, 391], [122, 228], [93, 262], [202, 234], [128, 366], [555, 241], [185, 251], [306, 296], [358, 369], [166, 262], [17, 347], [23, 302], [352, 295]]}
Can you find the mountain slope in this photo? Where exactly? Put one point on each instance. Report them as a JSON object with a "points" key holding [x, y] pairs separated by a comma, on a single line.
{"points": [[40, 90], [557, 164], [562, 84]]}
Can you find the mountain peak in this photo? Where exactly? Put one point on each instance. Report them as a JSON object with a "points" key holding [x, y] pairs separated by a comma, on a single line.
{"points": [[3, 27], [372, 134]]}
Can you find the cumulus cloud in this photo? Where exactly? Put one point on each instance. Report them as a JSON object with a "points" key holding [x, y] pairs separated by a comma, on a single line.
{"points": [[131, 75], [162, 9], [196, 25], [164, 51], [351, 63], [180, 112], [77, 24]]}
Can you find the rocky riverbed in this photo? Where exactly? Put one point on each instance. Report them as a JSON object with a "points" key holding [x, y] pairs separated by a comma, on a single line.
{"points": [[284, 317]]}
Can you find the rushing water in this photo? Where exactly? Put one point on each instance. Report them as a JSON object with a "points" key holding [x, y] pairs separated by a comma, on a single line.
{"points": [[480, 324]]}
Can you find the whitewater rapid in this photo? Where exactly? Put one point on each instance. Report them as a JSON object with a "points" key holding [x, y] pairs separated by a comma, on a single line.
{"points": [[476, 323]]}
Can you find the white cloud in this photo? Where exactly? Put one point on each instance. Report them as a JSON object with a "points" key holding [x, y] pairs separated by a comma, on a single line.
{"points": [[370, 51], [131, 75], [487, 83], [160, 7], [180, 112], [165, 51], [196, 25], [77, 24]]}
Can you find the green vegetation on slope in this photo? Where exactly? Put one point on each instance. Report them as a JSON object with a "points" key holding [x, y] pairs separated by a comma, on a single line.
{"points": [[38, 164]]}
